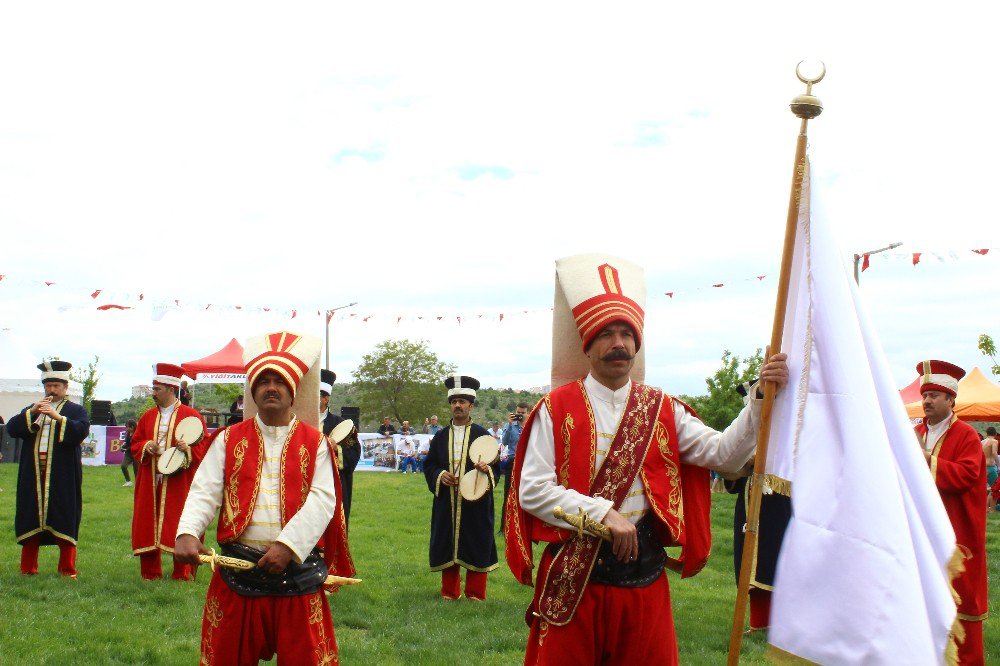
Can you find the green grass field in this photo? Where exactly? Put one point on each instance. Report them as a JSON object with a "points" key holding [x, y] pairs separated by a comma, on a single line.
{"points": [[110, 616]]}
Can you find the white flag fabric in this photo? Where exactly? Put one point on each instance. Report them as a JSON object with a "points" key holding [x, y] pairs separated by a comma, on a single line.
{"points": [[862, 577]]}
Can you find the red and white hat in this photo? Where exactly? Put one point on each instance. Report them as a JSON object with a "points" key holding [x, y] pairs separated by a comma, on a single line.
{"points": [[593, 291], [939, 376], [167, 374], [296, 358]]}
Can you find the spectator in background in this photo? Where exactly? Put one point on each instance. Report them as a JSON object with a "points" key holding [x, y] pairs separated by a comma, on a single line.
{"points": [[431, 426], [409, 455], [990, 451], [508, 448], [423, 447], [386, 429], [127, 459], [406, 430], [235, 411], [184, 395], [495, 430]]}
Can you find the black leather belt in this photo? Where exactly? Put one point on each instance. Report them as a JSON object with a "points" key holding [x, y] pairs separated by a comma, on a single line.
{"points": [[646, 568], [296, 579]]}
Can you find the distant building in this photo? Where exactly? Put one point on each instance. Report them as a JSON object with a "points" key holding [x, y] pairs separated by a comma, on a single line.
{"points": [[142, 391], [540, 389]]}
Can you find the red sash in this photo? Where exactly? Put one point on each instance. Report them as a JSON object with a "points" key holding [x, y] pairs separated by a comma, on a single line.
{"points": [[241, 482]]}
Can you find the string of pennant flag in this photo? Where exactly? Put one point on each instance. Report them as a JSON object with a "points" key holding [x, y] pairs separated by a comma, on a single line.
{"points": [[104, 300]]}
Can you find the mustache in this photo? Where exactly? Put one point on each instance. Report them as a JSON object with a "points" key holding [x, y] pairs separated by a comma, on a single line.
{"points": [[617, 355]]}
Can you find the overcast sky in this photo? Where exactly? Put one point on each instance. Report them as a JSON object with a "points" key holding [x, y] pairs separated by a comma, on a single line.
{"points": [[434, 159]]}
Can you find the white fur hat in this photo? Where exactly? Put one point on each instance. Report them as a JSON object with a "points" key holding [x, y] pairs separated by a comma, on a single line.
{"points": [[592, 291]]}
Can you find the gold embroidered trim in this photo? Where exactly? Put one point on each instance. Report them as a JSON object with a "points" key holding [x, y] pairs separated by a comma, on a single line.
{"points": [[231, 499]]}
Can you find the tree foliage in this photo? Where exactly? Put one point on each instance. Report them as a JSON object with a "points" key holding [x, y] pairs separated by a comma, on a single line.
{"points": [[401, 379], [723, 403], [989, 349], [89, 378]]}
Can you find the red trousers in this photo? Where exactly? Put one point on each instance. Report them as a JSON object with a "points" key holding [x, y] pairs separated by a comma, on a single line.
{"points": [[612, 625], [971, 652], [238, 630], [29, 556], [451, 583], [760, 608], [151, 569]]}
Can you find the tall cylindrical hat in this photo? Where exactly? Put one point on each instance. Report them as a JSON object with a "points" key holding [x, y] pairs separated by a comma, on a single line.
{"points": [[293, 356], [591, 292]]}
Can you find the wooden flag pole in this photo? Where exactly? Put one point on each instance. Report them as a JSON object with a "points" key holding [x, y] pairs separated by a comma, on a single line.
{"points": [[805, 107]]}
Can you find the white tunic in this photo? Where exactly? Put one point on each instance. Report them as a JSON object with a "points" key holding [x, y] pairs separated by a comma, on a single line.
{"points": [[161, 435], [47, 424], [304, 529], [698, 444], [935, 432]]}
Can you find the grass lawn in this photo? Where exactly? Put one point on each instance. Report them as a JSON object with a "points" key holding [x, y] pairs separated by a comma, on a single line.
{"points": [[111, 616]]}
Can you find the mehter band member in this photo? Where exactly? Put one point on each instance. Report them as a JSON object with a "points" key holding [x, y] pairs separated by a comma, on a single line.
{"points": [[160, 490], [348, 451], [50, 474], [461, 531], [625, 455], [956, 461], [272, 481]]}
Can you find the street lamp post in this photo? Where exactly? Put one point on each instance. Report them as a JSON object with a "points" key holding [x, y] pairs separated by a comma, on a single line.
{"points": [[329, 316], [857, 259]]}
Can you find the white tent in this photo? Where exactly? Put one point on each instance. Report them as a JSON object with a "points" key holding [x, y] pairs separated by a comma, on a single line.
{"points": [[19, 377]]}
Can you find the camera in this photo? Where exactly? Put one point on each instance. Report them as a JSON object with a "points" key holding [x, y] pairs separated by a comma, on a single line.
{"points": [[517, 417]]}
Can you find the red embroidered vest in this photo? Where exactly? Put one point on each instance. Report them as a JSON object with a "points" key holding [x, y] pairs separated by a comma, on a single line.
{"points": [[678, 494], [241, 481], [241, 475]]}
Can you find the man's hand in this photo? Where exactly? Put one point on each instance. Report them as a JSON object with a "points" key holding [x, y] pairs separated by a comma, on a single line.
{"points": [[449, 479], [182, 445], [46, 408], [188, 547], [775, 370], [36, 408], [150, 448], [276, 558], [510, 418], [625, 541], [482, 467]]}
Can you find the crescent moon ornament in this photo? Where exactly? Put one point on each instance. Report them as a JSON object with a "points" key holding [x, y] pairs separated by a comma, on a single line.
{"points": [[810, 80]]}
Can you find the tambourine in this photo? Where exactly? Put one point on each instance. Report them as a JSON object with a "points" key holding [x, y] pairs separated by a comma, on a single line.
{"points": [[173, 459], [474, 485], [342, 431], [484, 449]]}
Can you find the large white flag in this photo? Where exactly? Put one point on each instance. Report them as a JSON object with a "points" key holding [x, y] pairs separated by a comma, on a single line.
{"points": [[863, 573]]}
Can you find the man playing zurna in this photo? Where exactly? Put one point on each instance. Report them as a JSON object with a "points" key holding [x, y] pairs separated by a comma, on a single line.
{"points": [[159, 497], [274, 478], [956, 461], [461, 531], [626, 456], [50, 474]]}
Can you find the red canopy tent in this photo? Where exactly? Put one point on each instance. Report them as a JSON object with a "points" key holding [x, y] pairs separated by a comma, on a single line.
{"points": [[224, 366], [910, 393]]}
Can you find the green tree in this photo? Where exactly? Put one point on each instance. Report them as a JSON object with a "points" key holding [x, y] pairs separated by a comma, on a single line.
{"points": [[723, 403], [400, 379], [89, 378], [989, 349]]}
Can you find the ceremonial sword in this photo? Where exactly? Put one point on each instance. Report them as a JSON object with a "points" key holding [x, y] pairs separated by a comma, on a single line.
{"points": [[214, 560]]}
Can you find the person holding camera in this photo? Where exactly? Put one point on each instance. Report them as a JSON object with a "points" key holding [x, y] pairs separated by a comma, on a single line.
{"points": [[508, 447]]}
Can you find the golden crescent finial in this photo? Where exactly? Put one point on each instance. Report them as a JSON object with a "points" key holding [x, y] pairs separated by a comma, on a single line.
{"points": [[810, 81]]}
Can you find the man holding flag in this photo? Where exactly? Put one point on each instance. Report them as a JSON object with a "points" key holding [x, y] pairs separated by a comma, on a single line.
{"points": [[608, 449], [954, 455]]}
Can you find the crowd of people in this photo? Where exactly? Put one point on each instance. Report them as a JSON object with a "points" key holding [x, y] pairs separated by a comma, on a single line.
{"points": [[604, 472]]}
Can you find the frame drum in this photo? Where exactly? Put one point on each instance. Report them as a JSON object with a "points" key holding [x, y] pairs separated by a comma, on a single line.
{"points": [[341, 431], [484, 449]]}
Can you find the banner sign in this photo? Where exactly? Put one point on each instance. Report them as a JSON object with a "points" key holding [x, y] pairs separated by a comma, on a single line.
{"points": [[221, 378], [379, 453], [114, 442], [94, 445]]}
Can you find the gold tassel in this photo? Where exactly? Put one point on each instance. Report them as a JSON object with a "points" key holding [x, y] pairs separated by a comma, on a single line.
{"points": [[778, 485]]}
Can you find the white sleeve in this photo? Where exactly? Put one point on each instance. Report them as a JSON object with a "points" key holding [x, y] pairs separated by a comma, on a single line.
{"points": [[205, 496], [725, 451], [308, 524], [539, 491]]}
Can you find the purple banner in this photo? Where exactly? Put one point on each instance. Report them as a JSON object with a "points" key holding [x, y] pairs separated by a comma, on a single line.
{"points": [[113, 453]]}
